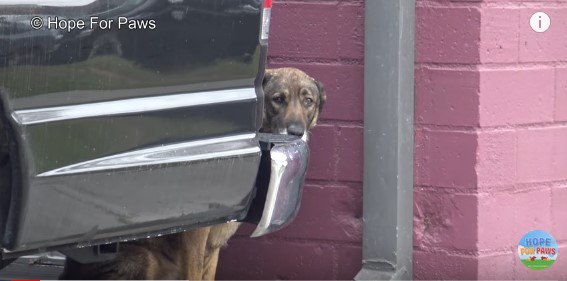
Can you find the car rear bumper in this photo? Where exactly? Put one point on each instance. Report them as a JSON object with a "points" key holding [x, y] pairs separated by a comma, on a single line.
{"points": [[278, 189], [279, 183]]}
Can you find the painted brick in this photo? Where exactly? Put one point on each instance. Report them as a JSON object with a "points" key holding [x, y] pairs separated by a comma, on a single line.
{"points": [[448, 2], [559, 213], [445, 220], [350, 154], [446, 96], [497, 267], [351, 31], [503, 218], [322, 158], [348, 102], [291, 35], [561, 94], [541, 154], [496, 158], [526, 218], [349, 261], [510, 96], [447, 34], [445, 158], [535, 155], [245, 230], [271, 260], [546, 46], [440, 265], [343, 85], [519, 1], [451, 1], [560, 150], [499, 34], [325, 73], [342, 221]]}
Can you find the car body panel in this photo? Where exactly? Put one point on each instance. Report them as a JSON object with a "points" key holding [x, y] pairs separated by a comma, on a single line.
{"points": [[130, 133]]}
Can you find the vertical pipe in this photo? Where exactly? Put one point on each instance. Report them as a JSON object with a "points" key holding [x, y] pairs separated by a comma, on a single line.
{"points": [[388, 140]]}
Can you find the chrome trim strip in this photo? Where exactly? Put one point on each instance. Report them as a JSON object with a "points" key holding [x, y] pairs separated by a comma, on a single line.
{"points": [[129, 106], [279, 165], [54, 3], [181, 152], [288, 167]]}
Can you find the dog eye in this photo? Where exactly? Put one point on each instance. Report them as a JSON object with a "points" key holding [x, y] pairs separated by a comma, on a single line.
{"points": [[279, 99], [308, 101]]}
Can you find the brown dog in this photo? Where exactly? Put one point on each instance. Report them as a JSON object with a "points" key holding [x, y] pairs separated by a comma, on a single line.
{"points": [[293, 101], [292, 104]]}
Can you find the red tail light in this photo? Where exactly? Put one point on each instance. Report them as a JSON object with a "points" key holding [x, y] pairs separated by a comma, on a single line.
{"points": [[266, 20]]}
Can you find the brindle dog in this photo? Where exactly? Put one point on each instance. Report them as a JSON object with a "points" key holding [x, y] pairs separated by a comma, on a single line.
{"points": [[293, 102]]}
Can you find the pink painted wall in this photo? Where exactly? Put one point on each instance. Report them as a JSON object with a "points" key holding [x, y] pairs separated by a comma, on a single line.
{"points": [[491, 141], [491, 137], [325, 39]]}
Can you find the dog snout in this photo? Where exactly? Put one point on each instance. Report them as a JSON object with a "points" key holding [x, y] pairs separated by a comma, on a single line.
{"points": [[296, 129]]}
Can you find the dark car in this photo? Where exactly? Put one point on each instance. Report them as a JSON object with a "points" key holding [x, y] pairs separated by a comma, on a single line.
{"points": [[19, 42], [110, 134]]}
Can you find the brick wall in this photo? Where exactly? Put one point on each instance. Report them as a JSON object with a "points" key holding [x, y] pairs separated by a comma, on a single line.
{"points": [[325, 39], [491, 137]]}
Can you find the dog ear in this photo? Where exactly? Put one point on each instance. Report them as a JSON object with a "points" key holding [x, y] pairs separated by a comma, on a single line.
{"points": [[268, 75], [322, 100], [322, 94]]}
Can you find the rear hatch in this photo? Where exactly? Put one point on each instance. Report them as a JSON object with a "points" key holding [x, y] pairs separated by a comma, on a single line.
{"points": [[133, 131]]}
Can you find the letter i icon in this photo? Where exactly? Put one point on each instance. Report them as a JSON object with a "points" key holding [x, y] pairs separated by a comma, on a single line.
{"points": [[540, 22]]}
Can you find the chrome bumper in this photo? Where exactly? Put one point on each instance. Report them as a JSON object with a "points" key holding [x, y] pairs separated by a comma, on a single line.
{"points": [[287, 160]]}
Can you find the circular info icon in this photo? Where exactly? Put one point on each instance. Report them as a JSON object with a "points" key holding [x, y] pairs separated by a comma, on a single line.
{"points": [[540, 22]]}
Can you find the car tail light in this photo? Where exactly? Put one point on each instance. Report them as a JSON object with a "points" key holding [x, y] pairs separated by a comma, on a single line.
{"points": [[266, 20]]}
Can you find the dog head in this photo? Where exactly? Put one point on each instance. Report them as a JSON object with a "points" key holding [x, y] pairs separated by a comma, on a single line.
{"points": [[293, 102]]}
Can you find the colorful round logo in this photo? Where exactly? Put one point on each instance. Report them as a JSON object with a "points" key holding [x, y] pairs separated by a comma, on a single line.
{"points": [[538, 250]]}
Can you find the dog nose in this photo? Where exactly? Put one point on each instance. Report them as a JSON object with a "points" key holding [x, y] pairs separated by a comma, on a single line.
{"points": [[295, 129]]}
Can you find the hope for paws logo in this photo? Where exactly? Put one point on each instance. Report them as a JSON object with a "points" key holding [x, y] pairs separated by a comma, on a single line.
{"points": [[538, 250]]}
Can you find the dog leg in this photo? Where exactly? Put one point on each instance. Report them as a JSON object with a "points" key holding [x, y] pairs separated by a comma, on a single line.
{"points": [[193, 260], [211, 262], [218, 237]]}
